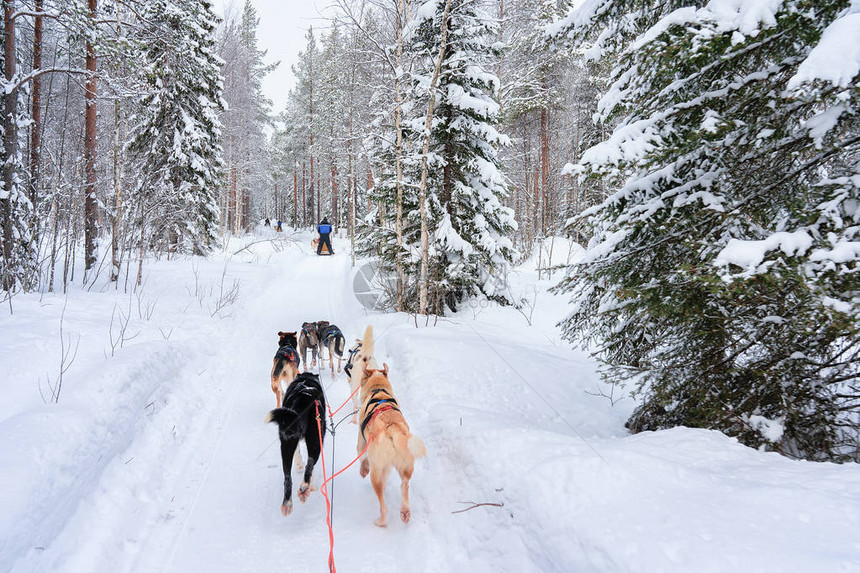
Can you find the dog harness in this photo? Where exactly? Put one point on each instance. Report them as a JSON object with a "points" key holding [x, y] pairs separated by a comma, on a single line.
{"points": [[352, 354], [376, 407], [332, 332], [309, 388], [289, 354]]}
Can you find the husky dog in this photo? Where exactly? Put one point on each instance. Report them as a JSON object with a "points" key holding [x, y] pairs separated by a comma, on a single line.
{"points": [[297, 420], [309, 339], [391, 444], [285, 365], [360, 355], [332, 338]]}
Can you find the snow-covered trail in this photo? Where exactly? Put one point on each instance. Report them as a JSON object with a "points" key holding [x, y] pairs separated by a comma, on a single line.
{"points": [[158, 459], [232, 520], [225, 513]]}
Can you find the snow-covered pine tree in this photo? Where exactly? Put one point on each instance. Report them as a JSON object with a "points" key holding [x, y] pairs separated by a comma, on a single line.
{"points": [[534, 94], [391, 195], [246, 149], [304, 120], [332, 108], [378, 229], [722, 276], [470, 229], [176, 137]]}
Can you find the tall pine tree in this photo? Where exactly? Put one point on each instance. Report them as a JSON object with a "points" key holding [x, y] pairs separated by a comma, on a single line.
{"points": [[470, 230], [176, 136]]}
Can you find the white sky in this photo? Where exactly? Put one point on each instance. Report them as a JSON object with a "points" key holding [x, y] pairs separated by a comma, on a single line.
{"points": [[283, 24]]}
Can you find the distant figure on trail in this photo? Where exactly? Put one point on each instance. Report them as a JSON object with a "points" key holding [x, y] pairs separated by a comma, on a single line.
{"points": [[267, 223], [278, 228], [324, 229]]}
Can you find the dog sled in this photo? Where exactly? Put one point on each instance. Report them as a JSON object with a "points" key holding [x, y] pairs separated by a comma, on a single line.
{"points": [[315, 244]]}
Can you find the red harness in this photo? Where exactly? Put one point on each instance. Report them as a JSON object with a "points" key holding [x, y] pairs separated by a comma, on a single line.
{"points": [[376, 412]]}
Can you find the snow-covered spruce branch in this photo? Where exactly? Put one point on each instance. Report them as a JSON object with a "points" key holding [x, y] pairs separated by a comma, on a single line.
{"points": [[684, 231]]}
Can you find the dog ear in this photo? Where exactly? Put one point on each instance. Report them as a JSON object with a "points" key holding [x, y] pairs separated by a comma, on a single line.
{"points": [[281, 334], [385, 369], [367, 371]]}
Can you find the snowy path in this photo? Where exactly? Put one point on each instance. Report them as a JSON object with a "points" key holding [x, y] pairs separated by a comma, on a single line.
{"points": [[158, 460]]}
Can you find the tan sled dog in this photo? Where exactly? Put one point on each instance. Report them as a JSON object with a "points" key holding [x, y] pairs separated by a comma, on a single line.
{"points": [[360, 357], [391, 443]]}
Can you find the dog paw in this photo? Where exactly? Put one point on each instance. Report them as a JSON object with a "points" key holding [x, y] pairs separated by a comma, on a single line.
{"points": [[364, 469], [379, 522], [304, 492], [287, 508], [405, 514]]}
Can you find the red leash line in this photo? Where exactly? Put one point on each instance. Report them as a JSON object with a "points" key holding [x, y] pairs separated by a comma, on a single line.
{"points": [[354, 392], [324, 490], [326, 480], [347, 466]]}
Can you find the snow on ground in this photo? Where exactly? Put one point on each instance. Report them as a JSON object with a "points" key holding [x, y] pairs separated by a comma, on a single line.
{"points": [[156, 457]]}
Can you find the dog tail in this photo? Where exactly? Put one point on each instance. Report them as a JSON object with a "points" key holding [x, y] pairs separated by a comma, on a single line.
{"points": [[282, 417], [416, 446], [367, 341]]}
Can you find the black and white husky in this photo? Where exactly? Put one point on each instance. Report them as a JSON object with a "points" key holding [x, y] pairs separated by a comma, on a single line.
{"points": [[297, 420]]}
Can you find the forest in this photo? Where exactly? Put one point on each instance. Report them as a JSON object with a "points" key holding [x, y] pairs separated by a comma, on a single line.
{"points": [[705, 153]]}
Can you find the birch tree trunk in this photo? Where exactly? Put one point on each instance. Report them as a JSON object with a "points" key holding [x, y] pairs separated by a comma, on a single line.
{"points": [[350, 175], [422, 189], [295, 193], [402, 8], [544, 167], [117, 189]]}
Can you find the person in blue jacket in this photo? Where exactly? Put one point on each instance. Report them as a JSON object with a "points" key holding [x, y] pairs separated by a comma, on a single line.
{"points": [[324, 229]]}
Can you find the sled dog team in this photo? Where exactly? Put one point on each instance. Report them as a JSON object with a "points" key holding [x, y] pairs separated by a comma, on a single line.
{"points": [[299, 397]]}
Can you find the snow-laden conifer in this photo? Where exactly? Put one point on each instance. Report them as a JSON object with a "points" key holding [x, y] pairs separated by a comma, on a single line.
{"points": [[176, 135], [470, 243], [721, 278]]}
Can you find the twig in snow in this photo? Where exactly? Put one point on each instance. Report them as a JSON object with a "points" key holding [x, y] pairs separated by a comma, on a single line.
{"points": [[474, 505]]}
